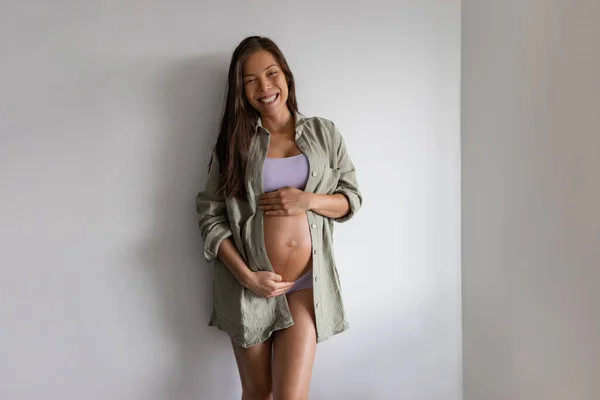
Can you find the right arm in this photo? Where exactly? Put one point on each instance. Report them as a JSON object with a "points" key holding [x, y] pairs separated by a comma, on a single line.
{"points": [[232, 258], [215, 228]]}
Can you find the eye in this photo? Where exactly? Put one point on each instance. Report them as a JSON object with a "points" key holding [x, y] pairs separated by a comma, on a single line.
{"points": [[272, 73], [247, 81]]}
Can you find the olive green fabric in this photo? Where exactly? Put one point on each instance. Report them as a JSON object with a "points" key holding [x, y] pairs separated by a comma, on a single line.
{"points": [[248, 318]]}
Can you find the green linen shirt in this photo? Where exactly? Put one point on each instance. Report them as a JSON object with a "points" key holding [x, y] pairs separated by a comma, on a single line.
{"points": [[248, 318]]}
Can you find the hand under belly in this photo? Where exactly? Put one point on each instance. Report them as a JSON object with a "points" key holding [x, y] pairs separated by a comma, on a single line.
{"points": [[288, 245]]}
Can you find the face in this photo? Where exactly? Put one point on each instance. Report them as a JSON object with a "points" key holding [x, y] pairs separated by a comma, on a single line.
{"points": [[264, 82]]}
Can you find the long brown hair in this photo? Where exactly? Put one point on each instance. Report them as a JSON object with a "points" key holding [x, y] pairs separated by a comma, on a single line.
{"points": [[239, 117]]}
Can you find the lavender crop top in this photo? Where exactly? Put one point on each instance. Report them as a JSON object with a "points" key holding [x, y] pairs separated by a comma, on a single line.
{"points": [[288, 171]]}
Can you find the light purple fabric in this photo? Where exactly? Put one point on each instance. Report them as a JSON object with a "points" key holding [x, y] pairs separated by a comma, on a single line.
{"points": [[288, 171], [304, 282]]}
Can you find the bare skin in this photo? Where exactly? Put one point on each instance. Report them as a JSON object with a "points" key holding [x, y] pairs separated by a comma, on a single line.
{"points": [[281, 367], [294, 350], [287, 237], [287, 375]]}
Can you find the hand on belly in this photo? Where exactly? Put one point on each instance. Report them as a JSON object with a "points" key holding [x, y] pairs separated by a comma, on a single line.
{"points": [[288, 245]]}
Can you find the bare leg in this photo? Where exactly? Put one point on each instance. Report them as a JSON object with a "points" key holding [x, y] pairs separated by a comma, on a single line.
{"points": [[254, 365], [294, 350]]}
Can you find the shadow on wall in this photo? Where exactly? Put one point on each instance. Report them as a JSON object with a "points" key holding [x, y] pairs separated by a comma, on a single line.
{"points": [[192, 92]]}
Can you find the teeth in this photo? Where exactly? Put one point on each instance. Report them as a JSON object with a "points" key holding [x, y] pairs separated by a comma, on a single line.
{"points": [[269, 99]]}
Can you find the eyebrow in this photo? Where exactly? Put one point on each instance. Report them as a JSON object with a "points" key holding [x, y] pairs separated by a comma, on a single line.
{"points": [[272, 65]]}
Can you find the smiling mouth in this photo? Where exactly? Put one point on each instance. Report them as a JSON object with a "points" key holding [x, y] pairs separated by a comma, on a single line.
{"points": [[270, 99]]}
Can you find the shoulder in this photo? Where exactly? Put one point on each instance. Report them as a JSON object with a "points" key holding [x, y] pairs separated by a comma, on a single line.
{"points": [[323, 128], [319, 122]]}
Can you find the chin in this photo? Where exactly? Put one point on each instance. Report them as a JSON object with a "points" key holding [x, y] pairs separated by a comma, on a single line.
{"points": [[271, 111]]}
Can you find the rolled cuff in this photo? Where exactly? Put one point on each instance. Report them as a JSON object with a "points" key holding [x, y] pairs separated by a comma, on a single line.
{"points": [[213, 237], [355, 201]]}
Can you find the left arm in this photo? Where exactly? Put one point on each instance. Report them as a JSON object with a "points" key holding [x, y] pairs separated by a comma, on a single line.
{"points": [[347, 184], [328, 205], [292, 201]]}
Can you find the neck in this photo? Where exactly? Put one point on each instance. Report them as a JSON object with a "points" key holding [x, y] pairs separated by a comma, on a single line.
{"points": [[280, 122]]}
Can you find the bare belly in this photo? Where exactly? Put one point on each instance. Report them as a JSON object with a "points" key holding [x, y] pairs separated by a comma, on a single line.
{"points": [[288, 245]]}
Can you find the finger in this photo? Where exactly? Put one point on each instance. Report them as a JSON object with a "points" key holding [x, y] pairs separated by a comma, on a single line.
{"points": [[276, 213], [266, 202], [280, 291], [275, 286], [270, 207], [271, 200], [276, 277], [283, 285], [269, 195]]}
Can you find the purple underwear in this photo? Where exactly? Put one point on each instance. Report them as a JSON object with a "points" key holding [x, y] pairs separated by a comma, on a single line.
{"points": [[288, 171], [304, 282]]}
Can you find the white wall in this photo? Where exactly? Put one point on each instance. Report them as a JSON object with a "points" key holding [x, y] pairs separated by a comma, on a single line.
{"points": [[531, 225], [107, 111]]}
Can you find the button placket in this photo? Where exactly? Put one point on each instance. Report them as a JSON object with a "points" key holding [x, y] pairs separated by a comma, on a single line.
{"points": [[313, 165], [316, 290]]}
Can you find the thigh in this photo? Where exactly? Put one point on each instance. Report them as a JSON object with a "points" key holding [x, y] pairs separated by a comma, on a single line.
{"points": [[294, 349], [254, 366]]}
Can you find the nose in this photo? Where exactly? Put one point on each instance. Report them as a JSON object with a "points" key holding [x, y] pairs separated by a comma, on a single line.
{"points": [[263, 85]]}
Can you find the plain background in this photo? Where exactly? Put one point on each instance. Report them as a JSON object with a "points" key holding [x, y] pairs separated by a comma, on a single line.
{"points": [[530, 199], [108, 111]]}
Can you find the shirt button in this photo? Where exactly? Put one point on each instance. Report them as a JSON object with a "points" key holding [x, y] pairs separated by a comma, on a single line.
{"points": [[318, 305], [314, 252], [314, 173], [316, 279], [313, 226]]}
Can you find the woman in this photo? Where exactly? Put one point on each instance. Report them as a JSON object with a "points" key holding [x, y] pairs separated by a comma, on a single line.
{"points": [[276, 182]]}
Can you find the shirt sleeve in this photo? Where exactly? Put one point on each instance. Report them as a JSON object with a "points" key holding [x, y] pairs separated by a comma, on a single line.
{"points": [[347, 184], [212, 213]]}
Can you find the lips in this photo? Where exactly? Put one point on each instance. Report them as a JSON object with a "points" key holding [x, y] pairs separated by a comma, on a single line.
{"points": [[268, 99]]}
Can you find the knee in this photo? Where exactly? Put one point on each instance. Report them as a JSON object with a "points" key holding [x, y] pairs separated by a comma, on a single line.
{"points": [[289, 395], [257, 392]]}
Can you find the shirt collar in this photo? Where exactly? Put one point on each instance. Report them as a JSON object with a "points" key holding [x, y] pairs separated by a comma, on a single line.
{"points": [[298, 118]]}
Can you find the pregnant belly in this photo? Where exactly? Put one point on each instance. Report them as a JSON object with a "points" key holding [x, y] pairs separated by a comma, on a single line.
{"points": [[288, 245]]}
